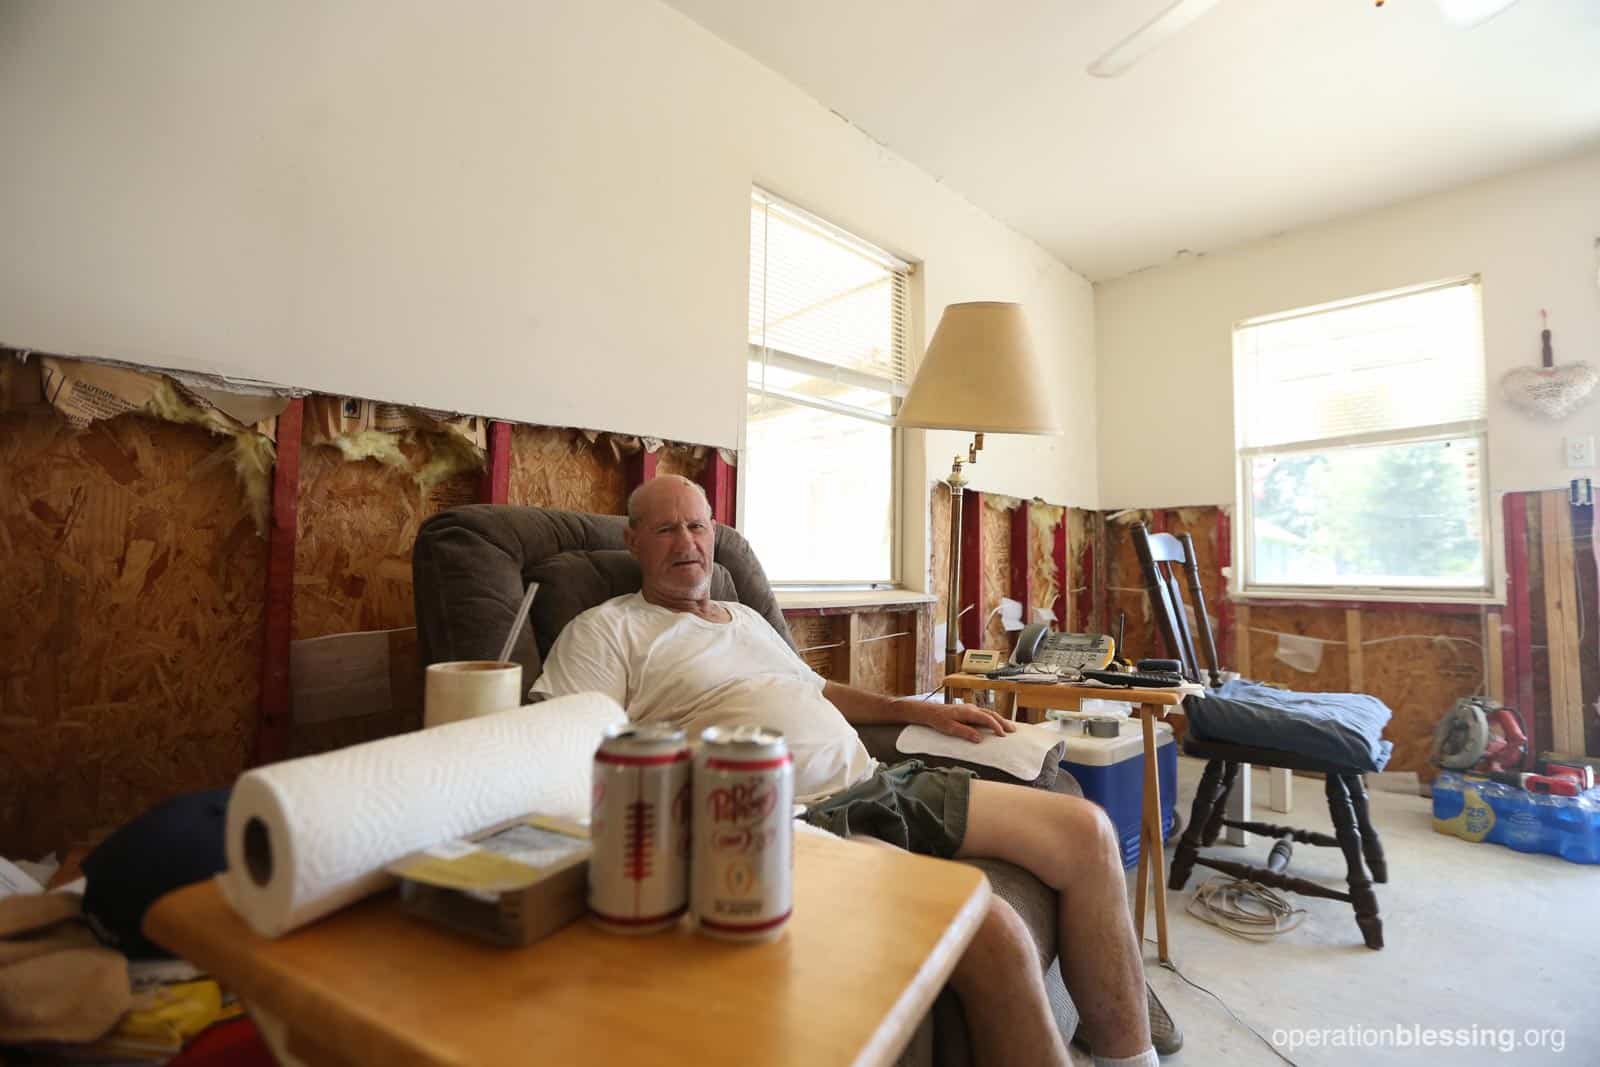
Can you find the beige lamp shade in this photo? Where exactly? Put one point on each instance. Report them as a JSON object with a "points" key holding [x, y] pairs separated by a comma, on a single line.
{"points": [[981, 375]]}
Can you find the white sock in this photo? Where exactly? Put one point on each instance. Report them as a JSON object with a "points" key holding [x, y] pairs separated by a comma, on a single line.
{"points": [[1147, 1058]]}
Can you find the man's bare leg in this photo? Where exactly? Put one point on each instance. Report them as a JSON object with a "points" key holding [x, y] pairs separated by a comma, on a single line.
{"points": [[1002, 991], [1002, 994], [1070, 845]]}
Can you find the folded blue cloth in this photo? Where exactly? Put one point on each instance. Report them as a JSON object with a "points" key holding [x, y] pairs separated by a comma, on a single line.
{"points": [[174, 844], [1345, 729]]}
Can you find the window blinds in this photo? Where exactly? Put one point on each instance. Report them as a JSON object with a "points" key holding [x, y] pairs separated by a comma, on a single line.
{"points": [[1381, 365], [823, 304]]}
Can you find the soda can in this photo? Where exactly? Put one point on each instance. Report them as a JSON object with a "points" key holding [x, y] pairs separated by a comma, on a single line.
{"points": [[639, 825], [743, 832]]}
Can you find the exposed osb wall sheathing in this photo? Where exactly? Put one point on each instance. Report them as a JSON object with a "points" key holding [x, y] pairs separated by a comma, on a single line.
{"points": [[873, 650], [939, 568], [1086, 568], [819, 639], [1127, 604], [555, 468], [682, 460], [130, 623], [357, 522], [353, 554], [1419, 677], [1125, 588], [1044, 583], [885, 643], [1326, 625], [996, 569], [1561, 550], [1204, 525], [132, 597]]}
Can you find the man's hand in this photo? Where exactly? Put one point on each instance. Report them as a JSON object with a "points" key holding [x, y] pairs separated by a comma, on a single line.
{"points": [[861, 708], [967, 721]]}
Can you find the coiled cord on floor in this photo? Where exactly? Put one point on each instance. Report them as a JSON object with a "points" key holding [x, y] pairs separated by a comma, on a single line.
{"points": [[1243, 908]]}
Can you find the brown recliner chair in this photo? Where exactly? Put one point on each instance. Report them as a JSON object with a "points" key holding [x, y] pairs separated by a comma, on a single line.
{"points": [[472, 566]]}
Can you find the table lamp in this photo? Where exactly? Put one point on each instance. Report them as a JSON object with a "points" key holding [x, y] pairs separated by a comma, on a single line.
{"points": [[979, 375]]}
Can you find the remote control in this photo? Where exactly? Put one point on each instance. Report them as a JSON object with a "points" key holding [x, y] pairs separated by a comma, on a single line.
{"points": [[1138, 679]]}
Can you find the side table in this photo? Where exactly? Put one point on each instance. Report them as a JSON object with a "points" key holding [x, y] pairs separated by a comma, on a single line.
{"points": [[875, 933]]}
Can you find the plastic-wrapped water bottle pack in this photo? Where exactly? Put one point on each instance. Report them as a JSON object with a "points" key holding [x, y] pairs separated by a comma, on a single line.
{"points": [[1476, 809]]}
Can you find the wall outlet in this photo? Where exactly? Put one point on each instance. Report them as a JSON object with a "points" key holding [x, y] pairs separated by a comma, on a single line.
{"points": [[1580, 452]]}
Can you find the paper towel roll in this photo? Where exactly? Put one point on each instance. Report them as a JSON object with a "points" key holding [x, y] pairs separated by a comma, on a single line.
{"points": [[309, 836]]}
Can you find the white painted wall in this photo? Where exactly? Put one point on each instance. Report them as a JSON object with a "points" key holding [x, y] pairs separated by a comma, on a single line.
{"points": [[530, 209], [1165, 336]]}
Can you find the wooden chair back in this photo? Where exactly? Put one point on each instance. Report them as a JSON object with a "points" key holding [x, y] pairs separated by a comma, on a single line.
{"points": [[1161, 556]]}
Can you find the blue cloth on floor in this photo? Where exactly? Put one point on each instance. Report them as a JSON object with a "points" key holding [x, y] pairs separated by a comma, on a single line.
{"points": [[175, 843], [1345, 729]]}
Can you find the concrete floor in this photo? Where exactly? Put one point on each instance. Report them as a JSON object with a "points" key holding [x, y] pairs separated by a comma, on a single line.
{"points": [[1477, 938]]}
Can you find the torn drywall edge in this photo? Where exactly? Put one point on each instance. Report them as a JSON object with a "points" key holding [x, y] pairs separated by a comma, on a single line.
{"points": [[84, 393]]}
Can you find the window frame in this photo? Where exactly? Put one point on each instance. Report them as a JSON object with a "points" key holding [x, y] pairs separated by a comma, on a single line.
{"points": [[1242, 582], [821, 369]]}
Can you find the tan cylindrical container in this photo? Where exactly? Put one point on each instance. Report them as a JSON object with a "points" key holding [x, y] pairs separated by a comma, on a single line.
{"points": [[465, 689]]}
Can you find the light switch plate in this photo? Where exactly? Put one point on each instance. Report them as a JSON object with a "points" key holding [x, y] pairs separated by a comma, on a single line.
{"points": [[1580, 452]]}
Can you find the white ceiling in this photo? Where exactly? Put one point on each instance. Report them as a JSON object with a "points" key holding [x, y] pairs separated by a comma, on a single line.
{"points": [[1263, 116]]}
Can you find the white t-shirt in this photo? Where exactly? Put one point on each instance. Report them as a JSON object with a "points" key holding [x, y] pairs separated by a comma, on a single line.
{"points": [[675, 667]]}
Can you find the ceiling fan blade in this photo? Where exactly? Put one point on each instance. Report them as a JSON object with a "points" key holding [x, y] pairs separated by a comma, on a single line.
{"points": [[1152, 35], [1470, 13]]}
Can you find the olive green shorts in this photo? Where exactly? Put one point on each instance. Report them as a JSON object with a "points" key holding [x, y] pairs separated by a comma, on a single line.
{"points": [[918, 808]]}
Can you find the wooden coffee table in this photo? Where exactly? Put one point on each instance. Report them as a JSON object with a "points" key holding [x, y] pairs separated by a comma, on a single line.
{"points": [[1152, 704], [875, 934]]}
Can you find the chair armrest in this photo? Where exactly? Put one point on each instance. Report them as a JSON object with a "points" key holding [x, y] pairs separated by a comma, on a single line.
{"points": [[879, 741]]}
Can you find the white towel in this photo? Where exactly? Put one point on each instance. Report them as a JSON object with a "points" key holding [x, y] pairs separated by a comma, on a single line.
{"points": [[1020, 753]]}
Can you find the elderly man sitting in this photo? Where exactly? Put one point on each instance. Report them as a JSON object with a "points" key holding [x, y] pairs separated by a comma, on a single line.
{"points": [[671, 654]]}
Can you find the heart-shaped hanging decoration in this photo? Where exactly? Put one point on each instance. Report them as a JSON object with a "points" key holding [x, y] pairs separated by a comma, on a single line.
{"points": [[1549, 392]]}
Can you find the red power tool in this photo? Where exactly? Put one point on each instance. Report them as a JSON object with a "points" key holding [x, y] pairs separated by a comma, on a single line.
{"points": [[1560, 780], [1480, 736], [1555, 785], [1582, 773]]}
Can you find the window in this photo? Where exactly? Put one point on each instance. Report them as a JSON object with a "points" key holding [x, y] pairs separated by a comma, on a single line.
{"points": [[827, 346], [1360, 431]]}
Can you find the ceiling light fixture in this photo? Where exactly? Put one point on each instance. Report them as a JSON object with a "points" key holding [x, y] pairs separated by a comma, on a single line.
{"points": [[1152, 35], [1180, 14], [1470, 13]]}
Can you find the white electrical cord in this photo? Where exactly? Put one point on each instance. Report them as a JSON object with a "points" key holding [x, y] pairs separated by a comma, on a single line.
{"points": [[1245, 909]]}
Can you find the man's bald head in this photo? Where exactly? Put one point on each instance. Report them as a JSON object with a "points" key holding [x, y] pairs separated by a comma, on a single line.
{"points": [[658, 488], [671, 534]]}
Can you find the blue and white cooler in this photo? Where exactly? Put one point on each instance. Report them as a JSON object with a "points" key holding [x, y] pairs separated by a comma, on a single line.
{"points": [[1111, 772]]}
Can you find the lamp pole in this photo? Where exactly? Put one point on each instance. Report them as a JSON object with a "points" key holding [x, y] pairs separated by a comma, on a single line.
{"points": [[958, 483]]}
